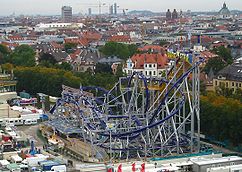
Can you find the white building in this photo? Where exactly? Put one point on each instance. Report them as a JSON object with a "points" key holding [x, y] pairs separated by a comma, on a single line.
{"points": [[54, 26], [151, 65]]}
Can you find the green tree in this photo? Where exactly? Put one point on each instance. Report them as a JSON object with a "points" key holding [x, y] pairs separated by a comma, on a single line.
{"points": [[8, 67], [46, 57], [216, 64], [162, 43], [229, 92], [4, 54], [49, 80], [103, 68], [221, 118], [64, 66], [69, 47], [23, 55], [119, 49], [224, 53], [133, 49]]}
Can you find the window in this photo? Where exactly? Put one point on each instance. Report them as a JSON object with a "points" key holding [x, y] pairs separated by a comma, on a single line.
{"points": [[239, 84], [216, 83], [150, 73], [236, 84], [150, 66], [154, 73], [232, 84], [227, 84], [153, 65]]}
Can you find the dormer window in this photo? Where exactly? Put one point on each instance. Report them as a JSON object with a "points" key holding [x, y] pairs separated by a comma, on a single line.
{"points": [[220, 77]]}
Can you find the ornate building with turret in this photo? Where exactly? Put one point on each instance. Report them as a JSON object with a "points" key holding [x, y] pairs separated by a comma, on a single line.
{"points": [[168, 14], [224, 13], [174, 14]]}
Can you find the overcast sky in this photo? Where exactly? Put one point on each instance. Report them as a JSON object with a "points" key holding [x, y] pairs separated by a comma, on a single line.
{"points": [[53, 6]]}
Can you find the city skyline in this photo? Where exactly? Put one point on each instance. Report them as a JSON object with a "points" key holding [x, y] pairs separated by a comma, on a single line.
{"points": [[27, 7]]}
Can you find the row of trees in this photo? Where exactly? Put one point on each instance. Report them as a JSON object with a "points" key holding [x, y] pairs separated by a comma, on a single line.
{"points": [[221, 111], [221, 118], [24, 55], [229, 92], [49, 80]]}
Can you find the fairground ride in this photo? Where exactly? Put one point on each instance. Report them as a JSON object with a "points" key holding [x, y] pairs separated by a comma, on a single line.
{"points": [[140, 117]]}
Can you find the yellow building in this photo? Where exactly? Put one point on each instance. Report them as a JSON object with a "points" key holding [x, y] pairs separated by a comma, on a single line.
{"points": [[229, 77], [7, 84]]}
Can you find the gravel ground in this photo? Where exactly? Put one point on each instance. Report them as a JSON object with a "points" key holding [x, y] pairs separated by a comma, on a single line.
{"points": [[31, 131]]}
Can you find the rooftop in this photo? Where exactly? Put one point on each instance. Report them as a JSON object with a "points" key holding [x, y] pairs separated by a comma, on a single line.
{"points": [[203, 161], [232, 72]]}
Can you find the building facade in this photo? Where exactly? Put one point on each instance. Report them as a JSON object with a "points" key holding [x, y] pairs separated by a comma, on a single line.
{"points": [[66, 13], [229, 77], [151, 65]]}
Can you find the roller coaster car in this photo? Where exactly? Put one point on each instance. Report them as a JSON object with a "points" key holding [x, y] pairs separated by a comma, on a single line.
{"points": [[157, 87]]}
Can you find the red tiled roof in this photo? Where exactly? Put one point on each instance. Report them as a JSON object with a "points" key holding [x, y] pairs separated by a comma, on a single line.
{"points": [[219, 44], [207, 54], [140, 59], [120, 38], [7, 44], [152, 47], [56, 45], [222, 27], [75, 54], [15, 37], [79, 41], [92, 36]]}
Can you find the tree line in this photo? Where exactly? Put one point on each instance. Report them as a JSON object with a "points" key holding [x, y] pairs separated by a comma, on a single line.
{"points": [[49, 80], [221, 118]]}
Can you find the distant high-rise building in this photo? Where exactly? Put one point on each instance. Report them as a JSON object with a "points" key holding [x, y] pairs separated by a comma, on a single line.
{"points": [[89, 11], [111, 10], [174, 14], [115, 9], [168, 14], [66, 13]]}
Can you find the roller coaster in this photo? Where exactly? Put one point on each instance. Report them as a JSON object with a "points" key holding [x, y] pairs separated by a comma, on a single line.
{"points": [[140, 117]]}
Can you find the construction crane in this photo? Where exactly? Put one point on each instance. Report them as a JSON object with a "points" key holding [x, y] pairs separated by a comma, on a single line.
{"points": [[98, 5], [124, 11]]}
